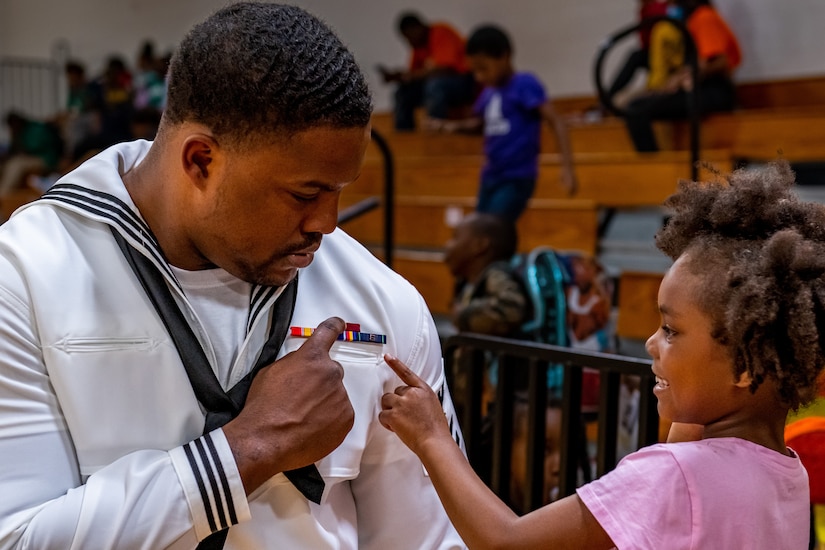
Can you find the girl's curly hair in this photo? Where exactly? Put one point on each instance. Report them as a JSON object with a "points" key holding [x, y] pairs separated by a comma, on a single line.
{"points": [[761, 254]]}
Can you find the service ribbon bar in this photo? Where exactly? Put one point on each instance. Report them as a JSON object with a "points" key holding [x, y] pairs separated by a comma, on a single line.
{"points": [[346, 336], [305, 332]]}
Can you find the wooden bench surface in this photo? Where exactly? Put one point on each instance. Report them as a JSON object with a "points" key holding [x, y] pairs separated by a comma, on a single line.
{"points": [[427, 222], [638, 310], [617, 179], [763, 94], [778, 115], [429, 274], [15, 200], [638, 315], [609, 135]]}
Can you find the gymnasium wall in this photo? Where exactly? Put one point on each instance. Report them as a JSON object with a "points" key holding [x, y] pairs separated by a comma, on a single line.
{"points": [[556, 39]]}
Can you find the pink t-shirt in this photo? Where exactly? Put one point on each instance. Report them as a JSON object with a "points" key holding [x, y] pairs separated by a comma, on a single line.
{"points": [[715, 493]]}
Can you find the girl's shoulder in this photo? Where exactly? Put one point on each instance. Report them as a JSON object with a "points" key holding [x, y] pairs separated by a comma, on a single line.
{"points": [[728, 456]]}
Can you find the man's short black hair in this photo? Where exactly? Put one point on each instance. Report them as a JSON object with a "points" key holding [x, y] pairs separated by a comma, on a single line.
{"points": [[259, 69], [409, 20], [489, 40]]}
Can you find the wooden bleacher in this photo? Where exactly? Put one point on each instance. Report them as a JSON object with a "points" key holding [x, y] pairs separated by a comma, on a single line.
{"points": [[779, 115], [433, 190], [423, 222], [15, 200], [437, 179], [638, 314]]}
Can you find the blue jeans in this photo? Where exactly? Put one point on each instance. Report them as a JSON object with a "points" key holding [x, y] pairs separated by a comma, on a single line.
{"points": [[437, 94], [505, 197]]}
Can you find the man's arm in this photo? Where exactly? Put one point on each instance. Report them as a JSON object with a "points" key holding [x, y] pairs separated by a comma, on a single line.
{"points": [[146, 498], [42, 502]]}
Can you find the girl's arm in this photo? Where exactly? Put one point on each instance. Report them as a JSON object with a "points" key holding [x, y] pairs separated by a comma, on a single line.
{"points": [[483, 521]]}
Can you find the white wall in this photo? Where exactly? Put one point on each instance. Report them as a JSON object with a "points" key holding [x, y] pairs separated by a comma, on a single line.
{"points": [[557, 39]]}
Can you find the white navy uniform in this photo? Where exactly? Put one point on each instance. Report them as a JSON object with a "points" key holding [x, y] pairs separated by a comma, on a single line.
{"points": [[100, 431]]}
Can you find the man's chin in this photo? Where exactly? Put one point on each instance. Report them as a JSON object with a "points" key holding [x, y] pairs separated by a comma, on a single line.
{"points": [[280, 271], [278, 275]]}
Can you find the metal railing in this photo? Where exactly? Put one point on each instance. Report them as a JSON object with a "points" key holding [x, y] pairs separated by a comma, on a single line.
{"points": [[30, 87], [514, 357], [33, 87], [371, 203]]}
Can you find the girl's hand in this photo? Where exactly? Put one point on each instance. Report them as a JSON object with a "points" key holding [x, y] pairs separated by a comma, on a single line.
{"points": [[413, 411]]}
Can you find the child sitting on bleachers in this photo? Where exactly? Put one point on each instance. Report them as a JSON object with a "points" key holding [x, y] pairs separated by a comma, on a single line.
{"points": [[489, 297], [35, 148]]}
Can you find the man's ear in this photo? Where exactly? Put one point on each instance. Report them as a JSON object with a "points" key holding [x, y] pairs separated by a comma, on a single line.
{"points": [[197, 157]]}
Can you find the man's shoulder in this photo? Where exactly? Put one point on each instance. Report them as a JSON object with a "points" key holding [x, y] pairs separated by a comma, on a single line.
{"points": [[343, 258]]}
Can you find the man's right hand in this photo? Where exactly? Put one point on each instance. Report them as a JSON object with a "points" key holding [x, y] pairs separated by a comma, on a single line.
{"points": [[296, 413]]}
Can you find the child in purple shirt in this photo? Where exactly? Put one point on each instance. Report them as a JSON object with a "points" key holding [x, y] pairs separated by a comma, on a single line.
{"points": [[739, 346], [510, 109]]}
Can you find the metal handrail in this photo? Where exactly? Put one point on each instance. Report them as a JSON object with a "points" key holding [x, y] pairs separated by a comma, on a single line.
{"points": [[371, 203], [691, 58], [536, 358], [31, 86], [358, 209], [389, 196]]}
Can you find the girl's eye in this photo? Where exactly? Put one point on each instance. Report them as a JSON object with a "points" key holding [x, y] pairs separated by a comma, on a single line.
{"points": [[669, 332]]}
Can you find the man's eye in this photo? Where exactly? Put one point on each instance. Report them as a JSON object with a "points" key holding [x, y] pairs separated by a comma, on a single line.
{"points": [[304, 198]]}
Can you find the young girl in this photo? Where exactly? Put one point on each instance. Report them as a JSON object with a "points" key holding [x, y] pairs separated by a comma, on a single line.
{"points": [[738, 348]]}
